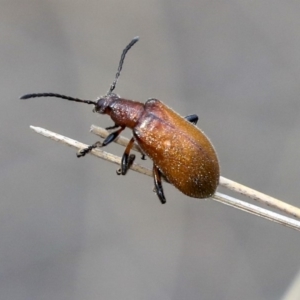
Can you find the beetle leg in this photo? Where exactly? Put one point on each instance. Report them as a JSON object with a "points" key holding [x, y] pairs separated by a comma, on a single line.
{"points": [[110, 138], [129, 164], [112, 127], [158, 185], [192, 119], [88, 149], [127, 160]]}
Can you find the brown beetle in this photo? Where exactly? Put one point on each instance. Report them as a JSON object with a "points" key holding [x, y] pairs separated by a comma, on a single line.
{"points": [[180, 152]]}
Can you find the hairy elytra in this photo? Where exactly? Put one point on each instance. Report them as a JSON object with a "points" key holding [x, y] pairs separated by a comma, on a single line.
{"points": [[181, 152]]}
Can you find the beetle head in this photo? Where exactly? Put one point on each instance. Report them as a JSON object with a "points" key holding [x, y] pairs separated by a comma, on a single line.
{"points": [[103, 104]]}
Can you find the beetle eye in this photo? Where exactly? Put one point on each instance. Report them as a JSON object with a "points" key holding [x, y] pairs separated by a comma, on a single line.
{"points": [[99, 106]]}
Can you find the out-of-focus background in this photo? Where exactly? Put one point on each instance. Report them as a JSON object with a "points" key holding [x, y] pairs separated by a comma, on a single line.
{"points": [[70, 228]]}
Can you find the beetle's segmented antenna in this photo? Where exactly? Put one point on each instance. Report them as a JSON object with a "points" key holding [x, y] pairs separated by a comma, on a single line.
{"points": [[113, 85], [28, 96]]}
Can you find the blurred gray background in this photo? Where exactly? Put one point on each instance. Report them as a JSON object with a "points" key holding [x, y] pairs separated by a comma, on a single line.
{"points": [[70, 228]]}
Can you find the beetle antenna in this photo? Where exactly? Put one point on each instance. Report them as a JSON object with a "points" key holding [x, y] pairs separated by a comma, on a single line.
{"points": [[28, 96], [113, 85]]}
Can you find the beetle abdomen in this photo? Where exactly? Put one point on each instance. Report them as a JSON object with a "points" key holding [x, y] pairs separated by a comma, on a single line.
{"points": [[180, 150]]}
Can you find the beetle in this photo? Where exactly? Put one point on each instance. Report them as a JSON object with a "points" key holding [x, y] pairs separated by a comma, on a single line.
{"points": [[181, 153]]}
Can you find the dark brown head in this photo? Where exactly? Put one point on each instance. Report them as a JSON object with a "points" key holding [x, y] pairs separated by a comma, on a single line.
{"points": [[103, 104]]}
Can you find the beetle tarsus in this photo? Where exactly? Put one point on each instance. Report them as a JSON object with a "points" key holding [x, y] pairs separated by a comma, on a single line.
{"points": [[127, 160], [88, 149], [125, 166], [126, 163], [158, 185]]}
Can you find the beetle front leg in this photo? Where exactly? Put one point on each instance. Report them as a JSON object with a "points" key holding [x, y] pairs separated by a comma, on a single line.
{"points": [[88, 149], [110, 138], [112, 127], [127, 160], [158, 185]]}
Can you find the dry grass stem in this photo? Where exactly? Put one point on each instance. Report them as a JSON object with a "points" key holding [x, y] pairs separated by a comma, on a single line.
{"points": [[227, 183], [225, 199]]}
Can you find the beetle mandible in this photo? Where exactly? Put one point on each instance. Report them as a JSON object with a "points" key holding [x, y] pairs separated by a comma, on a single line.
{"points": [[181, 153]]}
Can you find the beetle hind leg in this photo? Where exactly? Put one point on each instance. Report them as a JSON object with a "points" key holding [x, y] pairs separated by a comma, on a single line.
{"points": [[192, 119], [158, 185]]}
